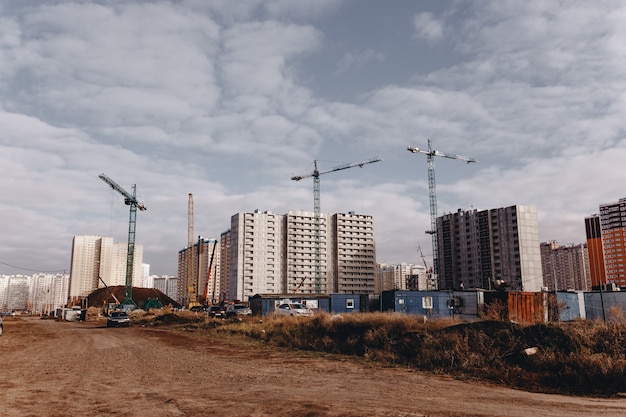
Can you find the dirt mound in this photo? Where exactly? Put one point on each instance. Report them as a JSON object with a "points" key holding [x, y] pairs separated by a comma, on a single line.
{"points": [[141, 296]]}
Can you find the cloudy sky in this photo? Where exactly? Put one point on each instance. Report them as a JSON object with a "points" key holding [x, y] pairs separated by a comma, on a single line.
{"points": [[228, 100]]}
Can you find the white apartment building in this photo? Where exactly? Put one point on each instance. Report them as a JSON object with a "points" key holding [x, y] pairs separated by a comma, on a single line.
{"points": [[97, 256], [14, 291], [256, 254], [48, 292], [300, 257], [355, 248], [276, 254], [403, 276], [166, 284], [39, 293]]}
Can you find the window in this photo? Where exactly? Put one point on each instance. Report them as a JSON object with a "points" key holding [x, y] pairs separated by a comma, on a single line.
{"points": [[427, 303], [350, 303]]}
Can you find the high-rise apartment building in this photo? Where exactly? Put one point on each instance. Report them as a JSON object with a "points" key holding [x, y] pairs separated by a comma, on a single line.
{"points": [[353, 253], [14, 290], [277, 254], [193, 272], [300, 256], [613, 229], [48, 292], [257, 243], [167, 285], [95, 257], [224, 274], [606, 243], [565, 267], [39, 293], [482, 249], [595, 250]]}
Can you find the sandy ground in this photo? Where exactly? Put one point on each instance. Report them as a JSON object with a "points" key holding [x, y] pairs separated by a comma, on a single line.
{"points": [[51, 368]]}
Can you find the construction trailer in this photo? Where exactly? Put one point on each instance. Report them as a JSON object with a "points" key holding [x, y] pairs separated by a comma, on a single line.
{"points": [[349, 303], [265, 304], [462, 305]]}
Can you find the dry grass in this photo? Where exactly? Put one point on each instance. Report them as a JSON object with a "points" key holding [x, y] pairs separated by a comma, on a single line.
{"points": [[582, 358]]}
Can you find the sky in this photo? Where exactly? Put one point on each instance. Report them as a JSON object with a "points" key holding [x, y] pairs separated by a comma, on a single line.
{"points": [[228, 100]]}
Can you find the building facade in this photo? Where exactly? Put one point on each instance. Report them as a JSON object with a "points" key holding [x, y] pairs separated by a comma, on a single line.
{"points": [[403, 277], [224, 282], [96, 259], [48, 292], [277, 254], [606, 243], [595, 251], [565, 268], [613, 230], [257, 245], [353, 253], [490, 248], [39, 293], [193, 273], [167, 285]]}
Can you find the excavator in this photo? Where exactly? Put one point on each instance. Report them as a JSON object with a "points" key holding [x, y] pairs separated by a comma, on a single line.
{"points": [[108, 306]]}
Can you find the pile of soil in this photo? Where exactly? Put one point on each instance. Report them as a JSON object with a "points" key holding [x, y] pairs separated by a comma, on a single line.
{"points": [[141, 296]]}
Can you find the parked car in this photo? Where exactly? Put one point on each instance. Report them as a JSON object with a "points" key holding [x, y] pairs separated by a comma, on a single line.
{"points": [[217, 311], [293, 309], [118, 319], [235, 310]]}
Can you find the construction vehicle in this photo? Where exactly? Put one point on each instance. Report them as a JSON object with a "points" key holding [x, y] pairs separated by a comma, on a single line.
{"points": [[109, 306], [430, 158], [317, 211], [129, 200]]}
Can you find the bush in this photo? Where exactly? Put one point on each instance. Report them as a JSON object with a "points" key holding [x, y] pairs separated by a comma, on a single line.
{"points": [[582, 358]]}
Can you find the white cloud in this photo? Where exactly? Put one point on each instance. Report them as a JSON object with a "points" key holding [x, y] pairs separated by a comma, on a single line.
{"points": [[358, 60], [206, 97], [427, 27]]}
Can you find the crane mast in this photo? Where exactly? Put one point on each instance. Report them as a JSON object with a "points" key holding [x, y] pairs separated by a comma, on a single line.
{"points": [[432, 195], [317, 212], [191, 279], [129, 200]]}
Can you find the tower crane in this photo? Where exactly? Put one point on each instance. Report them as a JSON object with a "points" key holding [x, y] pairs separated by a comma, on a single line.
{"points": [[192, 287], [129, 200], [428, 271], [430, 158], [316, 210]]}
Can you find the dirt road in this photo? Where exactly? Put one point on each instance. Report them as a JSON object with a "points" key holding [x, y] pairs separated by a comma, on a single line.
{"points": [[50, 368]]}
